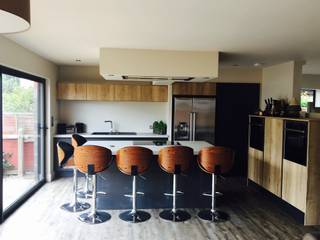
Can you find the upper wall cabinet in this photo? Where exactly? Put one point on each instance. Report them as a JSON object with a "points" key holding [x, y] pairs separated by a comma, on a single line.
{"points": [[72, 91], [100, 92], [194, 89], [112, 92]]}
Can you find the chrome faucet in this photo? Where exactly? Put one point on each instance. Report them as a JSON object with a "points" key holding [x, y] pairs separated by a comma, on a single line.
{"points": [[111, 125]]}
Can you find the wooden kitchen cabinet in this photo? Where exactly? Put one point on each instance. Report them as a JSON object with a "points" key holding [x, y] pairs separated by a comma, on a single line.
{"points": [[272, 164], [112, 92], [159, 93], [72, 91], [194, 89], [100, 92], [127, 92], [294, 184], [255, 165]]}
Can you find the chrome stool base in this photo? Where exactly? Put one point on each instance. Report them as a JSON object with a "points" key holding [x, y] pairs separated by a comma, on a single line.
{"points": [[137, 217], [84, 195], [75, 207], [215, 216], [95, 218], [178, 216]]}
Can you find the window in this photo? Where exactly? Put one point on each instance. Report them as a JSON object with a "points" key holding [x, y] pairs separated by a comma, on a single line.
{"points": [[307, 96], [22, 137]]}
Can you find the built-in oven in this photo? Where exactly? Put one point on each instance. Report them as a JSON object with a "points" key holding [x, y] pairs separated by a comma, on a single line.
{"points": [[256, 139], [296, 141]]}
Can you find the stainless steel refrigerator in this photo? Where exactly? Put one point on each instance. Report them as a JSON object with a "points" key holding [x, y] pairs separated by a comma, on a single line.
{"points": [[194, 119]]}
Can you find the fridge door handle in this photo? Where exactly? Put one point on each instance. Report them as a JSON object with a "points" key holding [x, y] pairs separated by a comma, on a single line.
{"points": [[194, 126], [190, 126]]}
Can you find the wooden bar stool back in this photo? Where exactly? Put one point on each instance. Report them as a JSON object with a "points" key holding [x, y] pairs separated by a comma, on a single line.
{"points": [[77, 141], [134, 161], [65, 158], [175, 160], [93, 160], [215, 161]]}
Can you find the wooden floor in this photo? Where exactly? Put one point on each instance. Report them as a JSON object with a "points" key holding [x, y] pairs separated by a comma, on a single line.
{"points": [[252, 217]]}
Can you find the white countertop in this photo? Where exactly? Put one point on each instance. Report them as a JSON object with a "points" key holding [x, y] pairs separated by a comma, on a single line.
{"points": [[114, 146], [138, 135]]}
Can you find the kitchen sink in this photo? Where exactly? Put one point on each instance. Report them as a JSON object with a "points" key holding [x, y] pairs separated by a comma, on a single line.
{"points": [[114, 133]]}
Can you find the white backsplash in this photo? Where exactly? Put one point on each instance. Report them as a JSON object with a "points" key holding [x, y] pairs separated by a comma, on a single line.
{"points": [[126, 116]]}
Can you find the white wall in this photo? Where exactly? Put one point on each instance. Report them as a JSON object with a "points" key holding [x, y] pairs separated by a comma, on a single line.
{"points": [[14, 56], [281, 81], [126, 116]]}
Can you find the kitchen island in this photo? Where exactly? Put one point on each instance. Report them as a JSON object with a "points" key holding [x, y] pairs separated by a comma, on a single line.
{"points": [[114, 146], [154, 183]]}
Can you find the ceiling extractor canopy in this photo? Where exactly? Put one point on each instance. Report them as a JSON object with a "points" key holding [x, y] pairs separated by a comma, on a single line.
{"points": [[14, 15]]}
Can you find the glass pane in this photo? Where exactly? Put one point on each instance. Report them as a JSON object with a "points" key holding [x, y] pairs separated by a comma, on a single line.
{"points": [[22, 137], [306, 97]]}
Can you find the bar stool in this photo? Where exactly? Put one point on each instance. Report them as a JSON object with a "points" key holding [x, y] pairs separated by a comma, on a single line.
{"points": [[175, 160], [77, 141], [93, 160], [215, 161], [65, 153], [133, 161]]}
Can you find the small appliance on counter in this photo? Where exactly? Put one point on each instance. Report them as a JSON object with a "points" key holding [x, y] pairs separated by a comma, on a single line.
{"points": [[61, 128], [70, 129], [79, 127], [293, 110]]}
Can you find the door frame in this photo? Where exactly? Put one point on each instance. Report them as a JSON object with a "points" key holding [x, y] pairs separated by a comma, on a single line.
{"points": [[14, 206]]}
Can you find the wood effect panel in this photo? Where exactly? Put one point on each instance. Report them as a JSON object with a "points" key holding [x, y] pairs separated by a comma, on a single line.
{"points": [[127, 93], [294, 184], [272, 165], [171, 156], [210, 158], [71, 91], [133, 156], [312, 216], [112, 92], [97, 156], [160, 93], [196, 89], [100, 92], [255, 165]]}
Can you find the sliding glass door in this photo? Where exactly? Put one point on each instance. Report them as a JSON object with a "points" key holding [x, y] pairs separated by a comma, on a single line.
{"points": [[23, 134]]}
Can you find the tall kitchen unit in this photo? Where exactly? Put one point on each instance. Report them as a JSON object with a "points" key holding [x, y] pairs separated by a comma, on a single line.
{"points": [[194, 119]]}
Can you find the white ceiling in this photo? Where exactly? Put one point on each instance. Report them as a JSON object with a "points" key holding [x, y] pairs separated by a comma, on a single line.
{"points": [[247, 31]]}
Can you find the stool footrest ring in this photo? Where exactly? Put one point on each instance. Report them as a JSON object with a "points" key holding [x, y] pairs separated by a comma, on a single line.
{"points": [[171, 194]]}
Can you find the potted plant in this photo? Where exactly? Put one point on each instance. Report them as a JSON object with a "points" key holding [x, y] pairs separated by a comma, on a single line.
{"points": [[159, 127]]}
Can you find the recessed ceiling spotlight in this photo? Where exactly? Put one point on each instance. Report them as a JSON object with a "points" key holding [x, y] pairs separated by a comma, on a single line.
{"points": [[257, 64], [78, 60]]}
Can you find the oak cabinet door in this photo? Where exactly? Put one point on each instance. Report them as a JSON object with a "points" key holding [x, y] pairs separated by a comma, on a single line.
{"points": [[72, 91], [294, 184], [100, 92], [272, 165], [255, 165]]}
